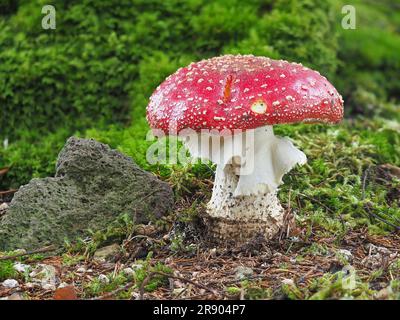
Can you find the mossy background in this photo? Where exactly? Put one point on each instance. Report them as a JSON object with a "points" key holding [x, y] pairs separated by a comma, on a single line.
{"points": [[93, 75]]}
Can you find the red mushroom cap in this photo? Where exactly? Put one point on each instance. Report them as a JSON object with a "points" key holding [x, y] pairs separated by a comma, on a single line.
{"points": [[242, 92]]}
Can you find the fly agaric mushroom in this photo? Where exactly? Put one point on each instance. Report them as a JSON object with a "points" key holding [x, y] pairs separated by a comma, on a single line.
{"points": [[244, 95]]}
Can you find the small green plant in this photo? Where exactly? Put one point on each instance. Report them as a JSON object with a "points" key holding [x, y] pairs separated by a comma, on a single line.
{"points": [[233, 291], [317, 249], [98, 286], [394, 268], [187, 179], [7, 270], [292, 292], [394, 290], [35, 257], [72, 259], [190, 214], [155, 275], [254, 290]]}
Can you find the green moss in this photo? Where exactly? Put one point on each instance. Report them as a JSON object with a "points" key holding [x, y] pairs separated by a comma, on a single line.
{"points": [[30, 157], [329, 190], [340, 286]]}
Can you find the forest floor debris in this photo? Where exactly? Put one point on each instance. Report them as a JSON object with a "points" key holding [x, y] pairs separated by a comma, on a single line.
{"points": [[283, 269]]}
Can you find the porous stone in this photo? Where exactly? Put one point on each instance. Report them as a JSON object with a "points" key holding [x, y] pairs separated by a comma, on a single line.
{"points": [[92, 187]]}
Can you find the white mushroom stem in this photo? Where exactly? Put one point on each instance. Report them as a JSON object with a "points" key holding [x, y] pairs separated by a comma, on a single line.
{"points": [[250, 167]]}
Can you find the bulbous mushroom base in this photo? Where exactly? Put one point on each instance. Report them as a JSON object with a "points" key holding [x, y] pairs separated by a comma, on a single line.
{"points": [[241, 218], [244, 224]]}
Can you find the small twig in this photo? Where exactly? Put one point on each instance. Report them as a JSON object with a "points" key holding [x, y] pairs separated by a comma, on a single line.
{"points": [[283, 270], [152, 274], [144, 283], [326, 207], [41, 250], [318, 202], [149, 195], [8, 192], [364, 186], [256, 277], [366, 207], [364, 181], [5, 196], [180, 293], [195, 296], [138, 236], [3, 171], [286, 220], [114, 292]]}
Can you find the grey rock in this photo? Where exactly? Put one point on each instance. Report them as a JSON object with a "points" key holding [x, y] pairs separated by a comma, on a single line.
{"points": [[346, 254], [10, 283], [14, 296], [376, 256], [81, 270], [106, 254], [63, 285], [20, 267], [30, 285], [288, 282], [243, 272], [137, 266], [45, 275], [92, 187], [103, 279], [48, 286], [177, 292], [3, 208], [128, 271]]}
